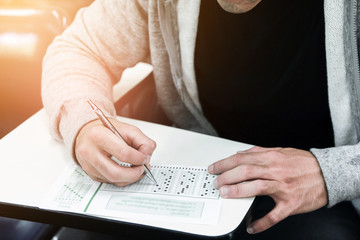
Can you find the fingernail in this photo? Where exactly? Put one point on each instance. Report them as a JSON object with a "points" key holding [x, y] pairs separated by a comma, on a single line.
{"points": [[224, 191], [250, 230], [211, 168]]}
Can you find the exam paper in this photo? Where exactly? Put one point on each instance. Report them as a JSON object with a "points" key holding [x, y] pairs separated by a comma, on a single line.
{"points": [[184, 194], [173, 180]]}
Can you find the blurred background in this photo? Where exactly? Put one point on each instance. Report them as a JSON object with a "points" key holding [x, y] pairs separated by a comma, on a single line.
{"points": [[27, 27]]}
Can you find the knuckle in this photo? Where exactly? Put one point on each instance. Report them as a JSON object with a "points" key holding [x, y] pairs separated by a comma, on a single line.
{"points": [[273, 218], [236, 190], [237, 157], [247, 171], [287, 149], [264, 187], [275, 155]]}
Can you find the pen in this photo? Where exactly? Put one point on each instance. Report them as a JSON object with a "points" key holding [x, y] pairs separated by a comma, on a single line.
{"points": [[108, 124]]}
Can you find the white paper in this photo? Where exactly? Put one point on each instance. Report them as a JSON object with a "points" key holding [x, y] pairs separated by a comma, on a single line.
{"points": [[184, 194]]}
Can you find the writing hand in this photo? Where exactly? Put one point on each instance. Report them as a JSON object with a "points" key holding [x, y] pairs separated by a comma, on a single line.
{"points": [[95, 145], [292, 177]]}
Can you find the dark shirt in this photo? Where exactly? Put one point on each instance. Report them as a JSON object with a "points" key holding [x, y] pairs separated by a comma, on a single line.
{"points": [[261, 75]]}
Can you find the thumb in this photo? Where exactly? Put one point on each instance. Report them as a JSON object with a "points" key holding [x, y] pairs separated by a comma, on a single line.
{"points": [[276, 215]]}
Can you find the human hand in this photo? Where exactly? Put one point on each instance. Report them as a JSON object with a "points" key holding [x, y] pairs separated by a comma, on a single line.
{"points": [[292, 177], [96, 144]]}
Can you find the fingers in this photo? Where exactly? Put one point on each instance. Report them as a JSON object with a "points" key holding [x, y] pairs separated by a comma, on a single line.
{"points": [[100, 167], [242, 173], [117, 147], [231, 162], [255, 156], [115, 173], [93, 173], [95, 146], [292, 177], [276, 215], [248, 189], [135, 138], [257, 188]]}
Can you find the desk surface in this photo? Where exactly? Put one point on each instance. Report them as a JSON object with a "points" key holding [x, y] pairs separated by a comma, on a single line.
{"points": [[31, 161]]}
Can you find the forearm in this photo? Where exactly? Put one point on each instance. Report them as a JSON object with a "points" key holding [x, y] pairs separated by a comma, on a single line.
{"points": [[87, 59], [71, 74], [341, 170]]}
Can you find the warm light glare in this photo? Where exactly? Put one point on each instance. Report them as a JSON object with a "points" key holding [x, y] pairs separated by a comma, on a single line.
{"points": [[18, 12], [18, 44], [56, 14]]}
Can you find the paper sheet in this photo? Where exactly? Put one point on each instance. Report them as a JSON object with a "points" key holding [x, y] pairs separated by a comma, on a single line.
{"points": [[174, 180], [184, 194]]}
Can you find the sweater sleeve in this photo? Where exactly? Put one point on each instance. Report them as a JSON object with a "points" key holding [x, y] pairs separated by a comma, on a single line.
{"points": [[87, 59], [341, 170]]}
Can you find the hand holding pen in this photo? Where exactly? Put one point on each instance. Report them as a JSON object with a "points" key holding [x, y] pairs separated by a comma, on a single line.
{"points": [[96, 144]]}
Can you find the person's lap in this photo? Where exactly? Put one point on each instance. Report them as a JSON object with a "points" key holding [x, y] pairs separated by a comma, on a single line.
{"points": [[339, 222]]}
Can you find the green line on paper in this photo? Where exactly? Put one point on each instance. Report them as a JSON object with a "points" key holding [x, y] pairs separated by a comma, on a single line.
{"points": [[97, 190]]}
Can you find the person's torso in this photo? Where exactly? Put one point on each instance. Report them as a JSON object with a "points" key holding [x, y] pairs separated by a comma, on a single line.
{"points": [[262, 75]]}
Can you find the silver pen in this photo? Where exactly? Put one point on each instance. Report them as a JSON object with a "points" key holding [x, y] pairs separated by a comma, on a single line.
{"points": [[108, 124]]}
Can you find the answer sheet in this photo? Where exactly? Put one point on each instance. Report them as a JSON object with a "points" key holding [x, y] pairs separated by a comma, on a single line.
{"points": [[183, 194]]}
